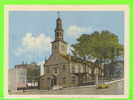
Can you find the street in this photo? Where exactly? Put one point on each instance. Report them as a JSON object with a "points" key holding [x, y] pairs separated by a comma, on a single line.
{"points": [[115, 88]]}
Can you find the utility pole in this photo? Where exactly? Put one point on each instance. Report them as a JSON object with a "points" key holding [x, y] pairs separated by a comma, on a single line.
{"points": [[96, 73], [96, 81]]}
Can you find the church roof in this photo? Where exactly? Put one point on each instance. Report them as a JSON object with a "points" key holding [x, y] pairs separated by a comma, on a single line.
{"points": [[75, 59]]}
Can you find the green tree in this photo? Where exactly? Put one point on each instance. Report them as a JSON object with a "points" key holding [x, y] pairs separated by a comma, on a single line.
{"points": [[33, 72], [100, 45]]}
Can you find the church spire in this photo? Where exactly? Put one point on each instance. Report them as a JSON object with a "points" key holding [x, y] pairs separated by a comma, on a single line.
{"points": [[59, 46], [58, 29]]}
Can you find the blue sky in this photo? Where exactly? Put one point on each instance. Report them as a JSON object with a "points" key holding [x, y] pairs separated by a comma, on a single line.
{"points": [[30, 32]]}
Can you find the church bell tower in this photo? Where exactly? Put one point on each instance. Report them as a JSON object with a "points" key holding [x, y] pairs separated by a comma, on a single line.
{"points": [[59, 46], [58, 30]]}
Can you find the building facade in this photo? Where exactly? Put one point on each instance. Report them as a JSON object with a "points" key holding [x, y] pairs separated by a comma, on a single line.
{"points": [[11, 80], [61, 69], [17, 78]]}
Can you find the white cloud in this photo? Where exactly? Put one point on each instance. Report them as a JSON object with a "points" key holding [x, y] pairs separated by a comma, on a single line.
{"points": [[33, 45], [76, 31]]}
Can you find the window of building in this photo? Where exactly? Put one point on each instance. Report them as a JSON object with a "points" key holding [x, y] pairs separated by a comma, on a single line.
{"points": [[73, 79], [47, 70], [84, 68], [55, 46], [55, 70], [90, 71], [79, 68], [64, 68], [73, 69], [64, 80]]}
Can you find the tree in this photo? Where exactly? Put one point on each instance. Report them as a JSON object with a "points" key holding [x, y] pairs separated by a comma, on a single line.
{"points": [[33, 72], [100, 45]]}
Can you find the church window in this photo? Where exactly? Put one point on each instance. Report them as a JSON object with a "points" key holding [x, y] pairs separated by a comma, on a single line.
{"points": [[47, 70], [57, 34], [73, 69], [55, 70], [90, 71], [64, 68], [73, 79], [64, 80], [79, 68], [85, 68]]}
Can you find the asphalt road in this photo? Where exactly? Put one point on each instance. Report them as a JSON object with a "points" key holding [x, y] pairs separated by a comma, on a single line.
{"points": [[115, 88]]}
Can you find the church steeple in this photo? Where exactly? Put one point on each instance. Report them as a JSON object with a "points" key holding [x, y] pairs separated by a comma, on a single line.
{"points": [[58, 30], [59, 46]]}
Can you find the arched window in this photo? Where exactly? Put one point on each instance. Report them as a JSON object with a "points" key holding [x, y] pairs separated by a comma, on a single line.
{"points": [[73, 79], [64, 68], [79, 68], [55, 70], [73, 69], [64, 80]]}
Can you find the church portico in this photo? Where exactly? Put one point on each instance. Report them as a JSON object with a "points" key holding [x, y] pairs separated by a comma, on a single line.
{"points": [[62, 80]]}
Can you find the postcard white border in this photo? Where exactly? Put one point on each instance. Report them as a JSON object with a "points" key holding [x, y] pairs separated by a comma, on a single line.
{"points": [[123, 8]]}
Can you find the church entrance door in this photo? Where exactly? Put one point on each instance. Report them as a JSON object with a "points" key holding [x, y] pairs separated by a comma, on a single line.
{"points": [[54, 81]]}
